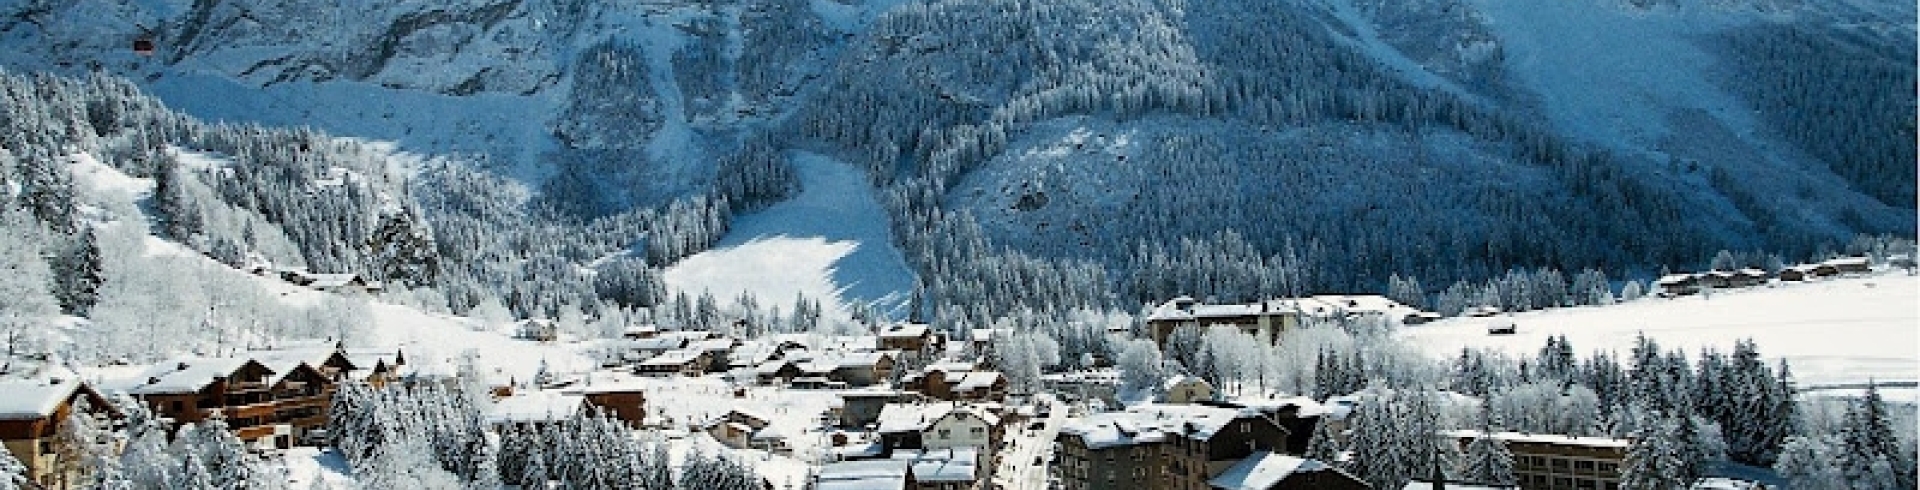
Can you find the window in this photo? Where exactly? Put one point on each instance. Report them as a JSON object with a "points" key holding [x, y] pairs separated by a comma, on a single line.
{"points": [[944, 433], [1559, 464], [977, 431], [1583, 465]]}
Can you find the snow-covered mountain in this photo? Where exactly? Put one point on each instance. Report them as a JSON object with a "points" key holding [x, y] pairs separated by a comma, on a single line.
{"points": [[1440, 138]]}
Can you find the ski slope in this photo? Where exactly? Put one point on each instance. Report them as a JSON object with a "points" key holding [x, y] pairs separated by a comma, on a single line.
{"points": [[1833, 333], [830, 243]]}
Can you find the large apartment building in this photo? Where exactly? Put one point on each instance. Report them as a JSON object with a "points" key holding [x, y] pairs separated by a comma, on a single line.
{"points": [[1163, 447], [1559, 462], [1273, 316]]}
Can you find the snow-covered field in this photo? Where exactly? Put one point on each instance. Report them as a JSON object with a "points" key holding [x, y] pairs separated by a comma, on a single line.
{"points": [[1833, 333], [830, 243]]}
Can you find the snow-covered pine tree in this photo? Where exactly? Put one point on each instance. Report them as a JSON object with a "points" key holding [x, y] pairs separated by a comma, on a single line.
{"points": [[402, 250], [1655, 462], [1427, 452], [192, 473], [13, 474], [1324, 444], [77, 273], [1487, 460], [1378, 455], [1811, 463], [1867, 437], [659, 471], [534, 473]]}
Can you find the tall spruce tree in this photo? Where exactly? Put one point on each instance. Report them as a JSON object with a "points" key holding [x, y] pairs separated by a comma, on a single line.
{"points": [[1488, 461]]}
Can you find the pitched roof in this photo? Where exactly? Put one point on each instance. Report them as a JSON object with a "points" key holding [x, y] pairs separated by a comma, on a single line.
{"points": [[537, 406], [878, 474], [26, 399], [1263, 470], [904, 330], [977, 380], [960, 464], [673, 358], [1153, 423], [185, 375]]}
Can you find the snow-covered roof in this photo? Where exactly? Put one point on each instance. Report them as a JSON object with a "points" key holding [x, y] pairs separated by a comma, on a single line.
{"points": [[1179, 379], [950, 366], [1718, 483], [1428, 485], [769, 367], [986, 334], [711, 345], [1153, 423], [768, 433], [687, 335], [22, 399], [1846, 261], [599, 383], [1675, 279], [879, 474], [185, 375], [658, 343], [673, 358], [860, 451], [537, 406], [977, 380], [905, 330], [1263, 470], [1304, 406], [324, 281], [1558, 439], [960, 464], [901, 417], [1363, 304], [1177, 310]]}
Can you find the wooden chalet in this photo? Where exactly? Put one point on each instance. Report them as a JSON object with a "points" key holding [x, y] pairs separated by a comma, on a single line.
{"points": [[264, 406], [31, 414]]}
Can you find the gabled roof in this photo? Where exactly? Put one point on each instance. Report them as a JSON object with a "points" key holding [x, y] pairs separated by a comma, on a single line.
{"points": [[323, 281], [673, 358], [658, 343], [977, 380], [27, 399], [1263, 470], [905, 330], [877, 474], [902, 417], [537, 406], [186, 375], [1154, 423], [960, 464], [711, 345]]}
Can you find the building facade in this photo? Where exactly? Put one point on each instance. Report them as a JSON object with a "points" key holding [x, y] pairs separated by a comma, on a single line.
{"points": [[1558, 462]]}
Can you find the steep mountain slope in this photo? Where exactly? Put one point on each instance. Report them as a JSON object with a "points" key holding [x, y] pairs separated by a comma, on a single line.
{"points": [[1067, 143]]}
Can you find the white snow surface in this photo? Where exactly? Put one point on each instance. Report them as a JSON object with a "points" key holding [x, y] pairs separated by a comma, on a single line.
{"points": [[1833, 333], [830, 243], [1263, 470]]}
